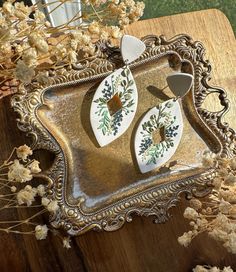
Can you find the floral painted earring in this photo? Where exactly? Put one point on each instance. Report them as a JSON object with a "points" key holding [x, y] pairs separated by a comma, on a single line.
{"points": [[115, 101], [166, 120]]}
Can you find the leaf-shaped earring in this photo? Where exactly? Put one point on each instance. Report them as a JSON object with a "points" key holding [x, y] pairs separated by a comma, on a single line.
{"points": [[165, 121], [115, 101]]}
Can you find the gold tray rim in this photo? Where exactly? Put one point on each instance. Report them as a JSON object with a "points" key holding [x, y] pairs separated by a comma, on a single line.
{"points": [[155, 201]]}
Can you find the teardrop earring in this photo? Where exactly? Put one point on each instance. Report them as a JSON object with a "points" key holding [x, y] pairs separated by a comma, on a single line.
{"points": [[115, 101], [165, 120]]}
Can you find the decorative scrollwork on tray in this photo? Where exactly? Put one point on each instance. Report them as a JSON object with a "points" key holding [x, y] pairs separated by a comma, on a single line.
{"points": [[151, 202]]}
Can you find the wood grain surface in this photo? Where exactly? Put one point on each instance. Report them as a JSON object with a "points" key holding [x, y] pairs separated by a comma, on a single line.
{"points": [[141, 245]]}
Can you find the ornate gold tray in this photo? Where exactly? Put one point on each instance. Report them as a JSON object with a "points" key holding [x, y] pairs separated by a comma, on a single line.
{"points": [[100, 188]]}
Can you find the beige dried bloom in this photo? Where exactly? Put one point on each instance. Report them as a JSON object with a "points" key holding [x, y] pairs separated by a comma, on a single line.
{"points": [[34, 167], [18, 173], [227, 269], [22, 11], [228, 195], [233, 164], [43, 78], [72, 56], [116, 32], [29, 57], [186, 238], [218, 234], [7, 7], [208, 159], [190, 213], [52, 206], [39, 17], [195, 204], [94, 28], [45, 201], [5, 48], [232, 211], [230, 179], [41, 190], [23, 72], [104, 35], [207, 268], [13, 189], [41, 232], [224, 206], [89, 50], [23, 152], [230, 244], [39, 42], [66, 242], [200, 268], [26, 195], [217, 183]]}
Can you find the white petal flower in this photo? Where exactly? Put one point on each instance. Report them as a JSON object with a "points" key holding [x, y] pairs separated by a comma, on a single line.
{"points": [[23, 152], [26, 195], [41, 232], [190, 214], [45, 201], [41, 190], [66, 242], [186, 238], [52, 206], [17, 172], [34, 167]]}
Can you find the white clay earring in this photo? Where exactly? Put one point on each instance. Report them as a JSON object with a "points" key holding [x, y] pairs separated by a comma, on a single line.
{"points": [[165, 118], [115, 100]]}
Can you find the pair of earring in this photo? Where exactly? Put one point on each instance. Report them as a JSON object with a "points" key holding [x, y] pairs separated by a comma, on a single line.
{"points": [[114, 106]]}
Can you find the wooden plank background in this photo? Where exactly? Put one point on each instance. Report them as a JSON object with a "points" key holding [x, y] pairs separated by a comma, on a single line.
{"points": [[141, 245]]}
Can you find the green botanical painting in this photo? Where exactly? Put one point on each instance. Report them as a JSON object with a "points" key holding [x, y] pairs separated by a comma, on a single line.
{"points": [[158, 8]]}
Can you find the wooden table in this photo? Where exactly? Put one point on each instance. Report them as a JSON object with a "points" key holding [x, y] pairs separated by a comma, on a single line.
{"points": [[141, 245]]}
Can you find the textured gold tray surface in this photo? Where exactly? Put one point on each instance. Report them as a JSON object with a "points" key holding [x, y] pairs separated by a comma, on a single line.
{"points": [[100, 188]]}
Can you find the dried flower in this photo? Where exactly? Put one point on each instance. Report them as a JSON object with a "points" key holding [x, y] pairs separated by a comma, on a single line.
{"points": [[23, 152], [66, 242], [94, 28], [26, 195], [195, 204], [186, 238], [34, 167], [200, 268], [13, 189], [230, 244], [23, 72], [29, 57], [17, 172], [52, 206], [39, 17], [45, 201], [38, 41], [208, 159], [207, 268], [41, 190], [41, 232], [190, 213]]}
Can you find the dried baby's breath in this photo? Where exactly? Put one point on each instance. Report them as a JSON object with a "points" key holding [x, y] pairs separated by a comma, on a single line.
{"points": [[215, 215], [41, 232], [207, 268], [18, 192], [26, 42]]}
